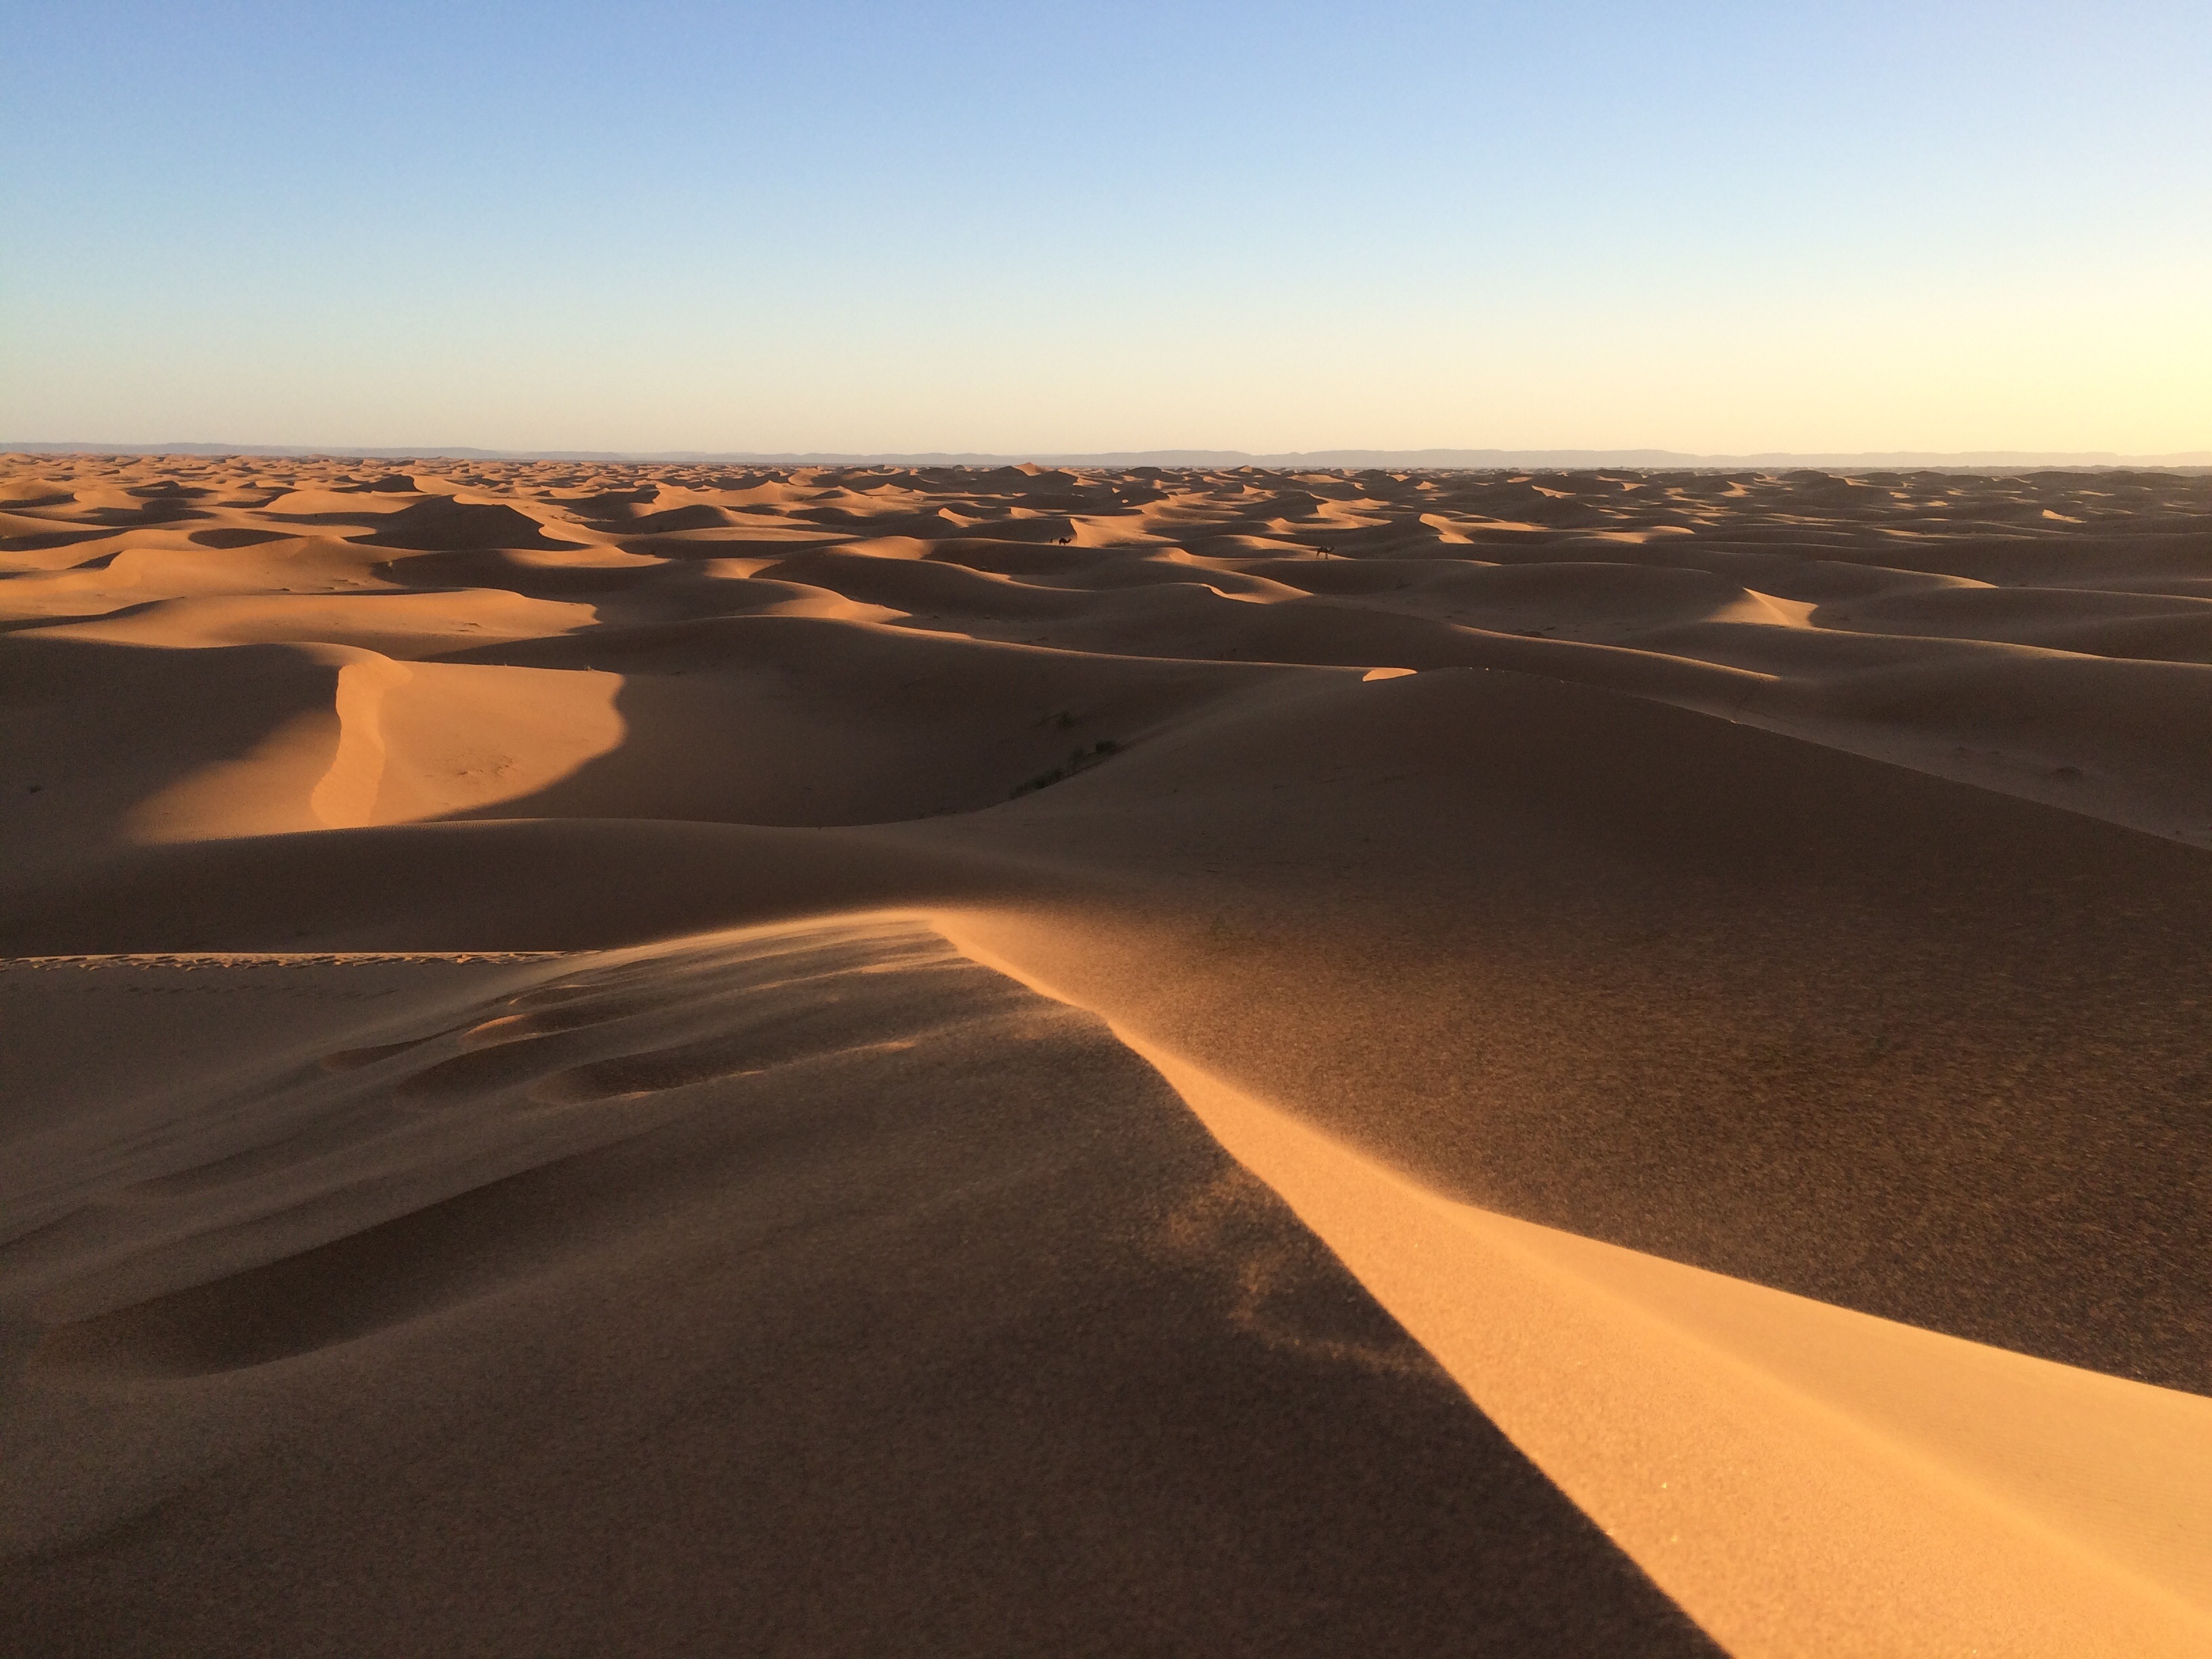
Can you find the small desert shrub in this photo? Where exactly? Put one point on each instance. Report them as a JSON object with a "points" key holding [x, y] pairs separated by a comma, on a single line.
{"points": [[1080, 760]]}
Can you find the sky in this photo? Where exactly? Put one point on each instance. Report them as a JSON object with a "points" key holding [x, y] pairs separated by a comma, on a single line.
{"points": [[1717, 229]]}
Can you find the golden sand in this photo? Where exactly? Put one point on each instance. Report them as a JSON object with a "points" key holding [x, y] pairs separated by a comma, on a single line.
{"points": [[675, 1059]]}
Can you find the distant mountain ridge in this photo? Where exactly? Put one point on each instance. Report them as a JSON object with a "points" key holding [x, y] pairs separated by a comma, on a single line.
{"points": [[1467, 459]]}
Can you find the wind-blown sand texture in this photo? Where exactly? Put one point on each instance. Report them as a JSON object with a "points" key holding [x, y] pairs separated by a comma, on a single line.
{"points": [[659, 1060]]}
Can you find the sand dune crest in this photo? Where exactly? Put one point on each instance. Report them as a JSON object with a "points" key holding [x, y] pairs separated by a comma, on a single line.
{"points": [[1802, 1480]]}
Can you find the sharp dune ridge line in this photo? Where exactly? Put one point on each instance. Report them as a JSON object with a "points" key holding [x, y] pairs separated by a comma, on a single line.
{"points": [[1957, 1496], [590, 1058]]}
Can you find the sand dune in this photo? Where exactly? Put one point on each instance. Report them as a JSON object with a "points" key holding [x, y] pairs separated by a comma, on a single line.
{"points": [[818, 1292], [1760, 1453], [1712, 968]]}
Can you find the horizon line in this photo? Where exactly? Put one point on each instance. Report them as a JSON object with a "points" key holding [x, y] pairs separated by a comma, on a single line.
{"points": [[1436, 458]]}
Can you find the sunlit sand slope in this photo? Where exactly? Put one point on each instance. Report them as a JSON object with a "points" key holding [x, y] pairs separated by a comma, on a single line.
{"points": [[1706, 977], [1768, 1457]]}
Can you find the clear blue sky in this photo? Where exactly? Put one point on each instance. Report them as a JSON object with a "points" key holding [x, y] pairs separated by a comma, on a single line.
{"points": [[993, 226]]}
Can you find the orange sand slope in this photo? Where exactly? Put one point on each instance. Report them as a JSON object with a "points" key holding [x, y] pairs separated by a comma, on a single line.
{"points": [[616, 1100]]}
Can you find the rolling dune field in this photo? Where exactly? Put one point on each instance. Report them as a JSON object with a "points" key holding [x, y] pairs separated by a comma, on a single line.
{"points": [[660, 1060]]}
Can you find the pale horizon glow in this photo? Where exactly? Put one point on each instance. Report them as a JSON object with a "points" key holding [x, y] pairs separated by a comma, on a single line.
{"points": [[1709, 229]]}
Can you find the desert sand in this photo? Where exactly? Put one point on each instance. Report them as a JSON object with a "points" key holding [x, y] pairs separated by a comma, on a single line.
{"points": [[673, 1060]]}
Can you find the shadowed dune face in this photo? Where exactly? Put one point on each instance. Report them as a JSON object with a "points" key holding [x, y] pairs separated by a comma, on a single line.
{"points": [[1791, 878], [813, 1292]]}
